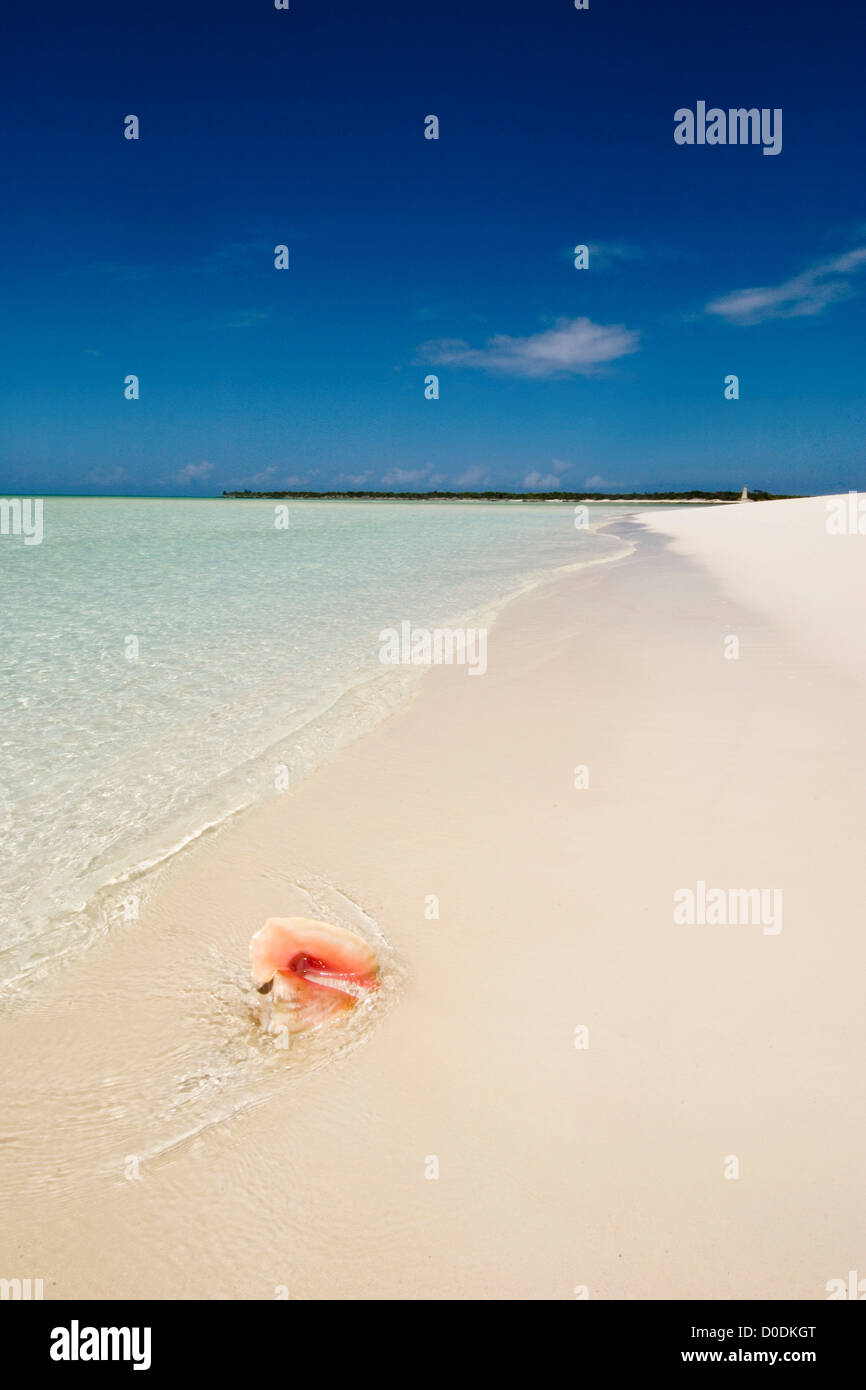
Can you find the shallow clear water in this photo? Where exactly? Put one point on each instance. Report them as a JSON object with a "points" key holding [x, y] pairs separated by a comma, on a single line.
{"points": [[163, 661]]}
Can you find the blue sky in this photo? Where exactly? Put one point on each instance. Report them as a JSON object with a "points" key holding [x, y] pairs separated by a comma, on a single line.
{"points": [[409, 256]]}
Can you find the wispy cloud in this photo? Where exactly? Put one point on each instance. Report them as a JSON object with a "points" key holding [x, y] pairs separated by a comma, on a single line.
{"points": [[473, 477], [105, 477], [541, 482], [605, 254], [193, 471], [231, 255], [803, 296], [572, 346], [597, 483], [228, 258], [537, 481], [618, 253], [410, 478], [352, 480], [243, 318], [405, 477], [265, 476]]}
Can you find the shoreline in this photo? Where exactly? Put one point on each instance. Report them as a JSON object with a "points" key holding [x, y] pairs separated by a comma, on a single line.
{"points": [[99, 915], [554, 916]]}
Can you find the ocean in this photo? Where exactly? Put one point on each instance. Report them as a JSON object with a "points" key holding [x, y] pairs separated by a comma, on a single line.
{"points": [[165, 663]]}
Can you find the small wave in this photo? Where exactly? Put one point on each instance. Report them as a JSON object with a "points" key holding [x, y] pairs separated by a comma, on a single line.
{"points": [[47, 927]]}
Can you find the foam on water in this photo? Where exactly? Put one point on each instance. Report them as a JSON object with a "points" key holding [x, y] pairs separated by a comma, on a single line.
{"points": [[219, 1051]]}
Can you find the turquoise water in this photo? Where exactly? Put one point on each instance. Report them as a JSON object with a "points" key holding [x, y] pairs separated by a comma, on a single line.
{"points": [[163, 662]]}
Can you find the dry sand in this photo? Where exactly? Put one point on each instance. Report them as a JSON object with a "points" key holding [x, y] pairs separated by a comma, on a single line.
{"points": [[559, 1167]]}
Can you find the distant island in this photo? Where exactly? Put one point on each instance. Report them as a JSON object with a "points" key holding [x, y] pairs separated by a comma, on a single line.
{"points": [[694, 496]]}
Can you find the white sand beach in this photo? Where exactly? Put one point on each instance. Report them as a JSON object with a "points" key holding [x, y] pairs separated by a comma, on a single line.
{"points": [[561, 1088]]}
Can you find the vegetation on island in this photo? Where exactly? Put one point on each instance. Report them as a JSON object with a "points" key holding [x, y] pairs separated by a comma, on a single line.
{"points": [[559, 496]]}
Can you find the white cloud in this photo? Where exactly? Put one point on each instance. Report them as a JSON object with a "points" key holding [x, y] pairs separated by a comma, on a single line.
{"points": [[571, 346], [193, 471], [803, 296], [354, 480], [265, 474], [540, 482], [618, 253], [472, 478], [599, 484], [404, 477], [536, 481]]}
